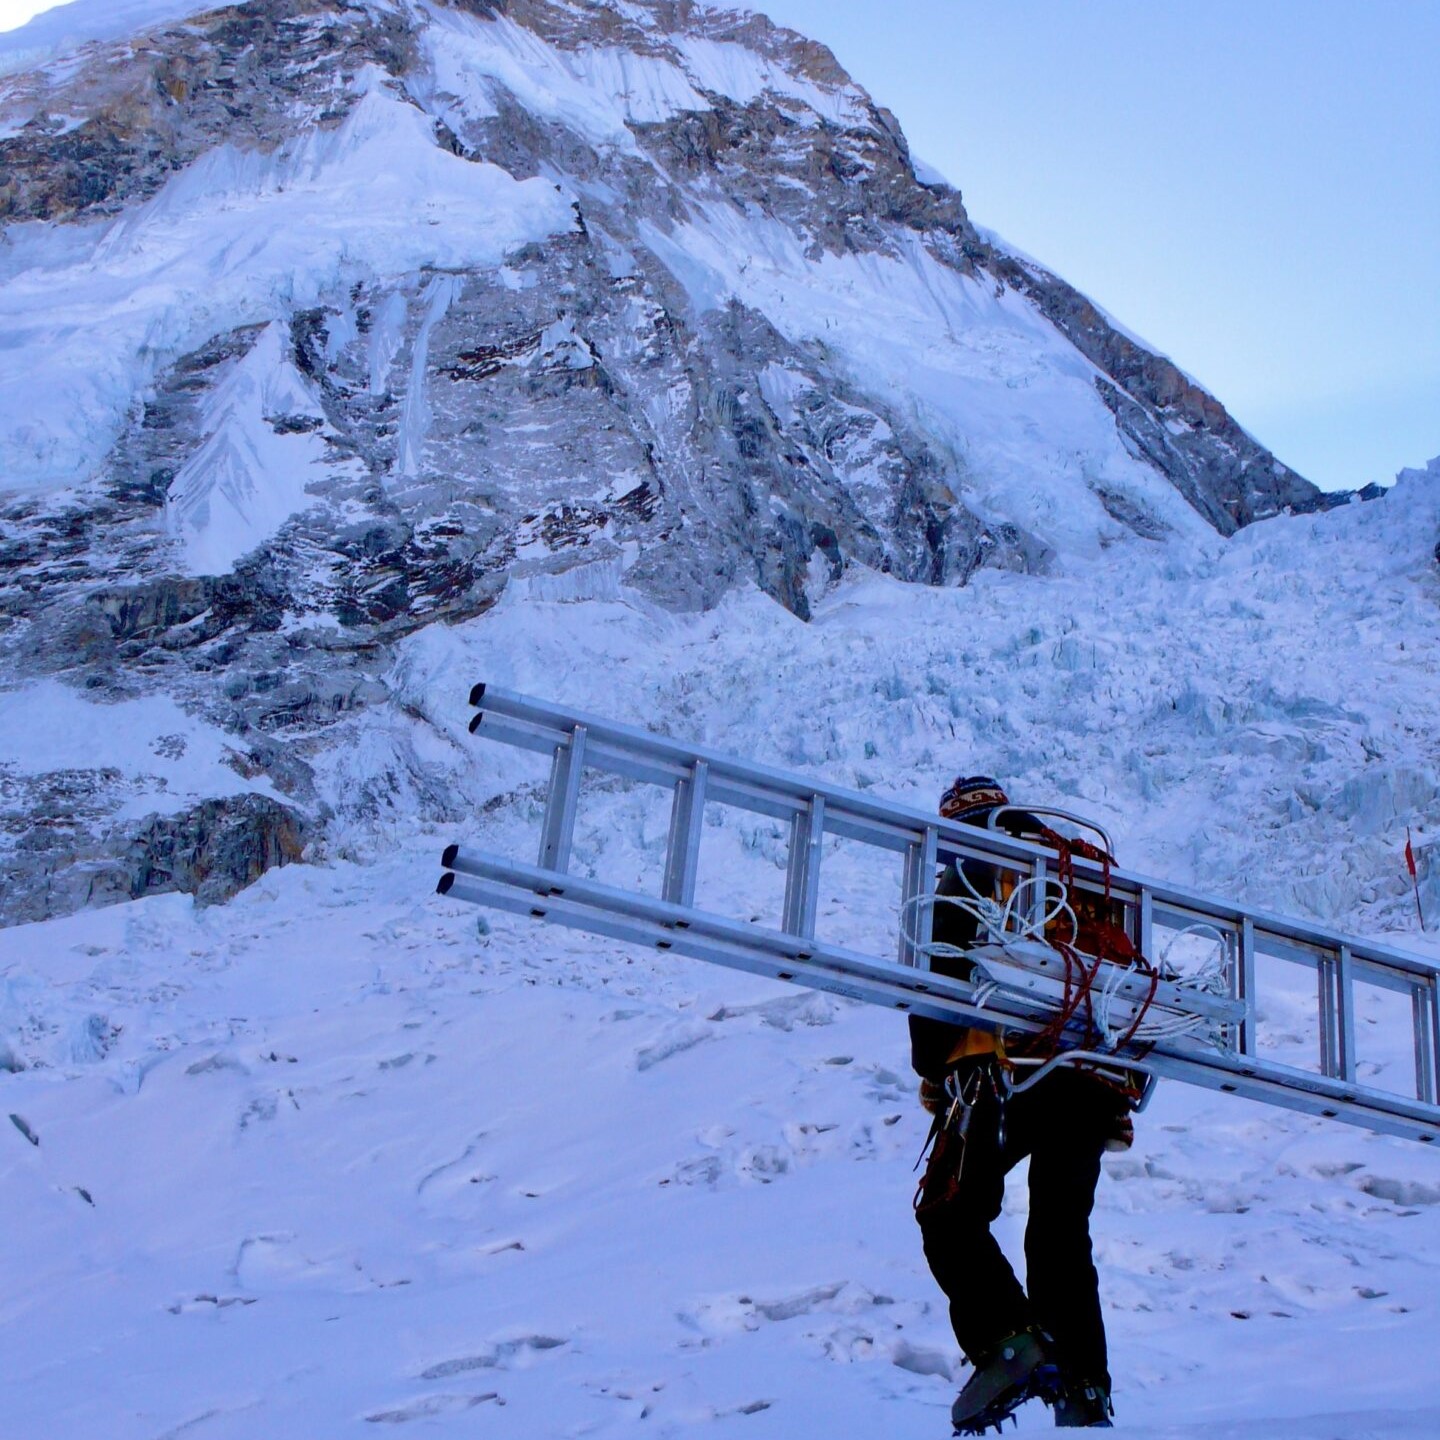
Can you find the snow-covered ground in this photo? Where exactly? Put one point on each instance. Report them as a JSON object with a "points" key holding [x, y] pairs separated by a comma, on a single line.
{"points": [[329, 1156], [341, 1153]]}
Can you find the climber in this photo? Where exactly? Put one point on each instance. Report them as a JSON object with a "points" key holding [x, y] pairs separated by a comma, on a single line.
{"points": [[1049, 1342]]}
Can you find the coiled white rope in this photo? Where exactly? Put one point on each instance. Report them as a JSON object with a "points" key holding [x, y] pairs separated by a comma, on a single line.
{"points": [[1017, 919]]}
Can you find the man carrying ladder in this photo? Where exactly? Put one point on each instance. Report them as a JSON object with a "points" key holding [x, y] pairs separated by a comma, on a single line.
{"points": [[1050, 1342]]}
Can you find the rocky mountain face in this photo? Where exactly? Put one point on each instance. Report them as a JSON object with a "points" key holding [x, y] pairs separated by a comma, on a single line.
{"points": [[328, 320]]}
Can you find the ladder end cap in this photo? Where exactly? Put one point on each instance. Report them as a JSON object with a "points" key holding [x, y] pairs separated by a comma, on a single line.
{"points": [[475, 722], [446, 881], [477, 693], [448, 858]]}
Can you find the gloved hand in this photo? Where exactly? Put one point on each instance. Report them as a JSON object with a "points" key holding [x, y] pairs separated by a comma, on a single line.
{"points": [[933, 1097], [1120, 1134]]}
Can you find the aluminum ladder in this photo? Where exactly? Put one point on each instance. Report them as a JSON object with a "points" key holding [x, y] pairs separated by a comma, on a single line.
{"points": [[1340, 985]]}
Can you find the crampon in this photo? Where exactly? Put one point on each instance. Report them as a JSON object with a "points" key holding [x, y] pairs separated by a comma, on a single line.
{"points": [[1019, 1370]]}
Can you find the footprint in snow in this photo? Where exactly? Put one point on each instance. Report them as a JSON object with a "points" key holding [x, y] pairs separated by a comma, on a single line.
{"points": [[675, 1041], [802, 1143], [729, 1313], [507, 1355], [429, 1406], [210, 1303], [850, 1324], [456, 1182], [785, 1012], [921, 1360], [1400, 1192]]}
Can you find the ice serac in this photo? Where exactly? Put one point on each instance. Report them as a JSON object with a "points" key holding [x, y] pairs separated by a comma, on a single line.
{"points": [[322, 321]]}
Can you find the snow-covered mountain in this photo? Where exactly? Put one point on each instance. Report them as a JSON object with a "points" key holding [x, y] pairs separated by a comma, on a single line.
{"points": [[357, 350], [324, 322]]}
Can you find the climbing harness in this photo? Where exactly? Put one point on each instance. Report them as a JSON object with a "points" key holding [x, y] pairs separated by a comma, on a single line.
{"points": [[943, 1153]]}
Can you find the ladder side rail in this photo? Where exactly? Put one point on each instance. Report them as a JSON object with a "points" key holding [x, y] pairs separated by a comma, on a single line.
{"points": [[682, 851], [1372, 1110], [534, 892], [802, 875], [749, 782], [1381, 974], [522, 734], [775, 783], [627, 763], [1297, 950], [772, 953], [557, 834], [542, 886], [895, 837], [743, 794], [943, 998], [954, 852], [744, 776], [1278, 928]]}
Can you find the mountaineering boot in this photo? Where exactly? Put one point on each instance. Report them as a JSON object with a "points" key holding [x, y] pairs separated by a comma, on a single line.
{"points": [[1015, 1370], [1079, 1406]]}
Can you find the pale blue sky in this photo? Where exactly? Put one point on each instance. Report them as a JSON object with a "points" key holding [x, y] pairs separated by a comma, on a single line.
{"points": [[1251, 185]]}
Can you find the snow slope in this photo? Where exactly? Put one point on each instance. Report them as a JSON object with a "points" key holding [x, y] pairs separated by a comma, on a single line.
{"points": [[251, 474], [326, 1157], [970, 363], [167, 759], [238, 238], [342, 1154], [57, 31]]}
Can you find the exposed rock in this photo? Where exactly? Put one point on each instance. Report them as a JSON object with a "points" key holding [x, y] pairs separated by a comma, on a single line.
{"points": [[215, 850], [243, 75], [67, 857]]}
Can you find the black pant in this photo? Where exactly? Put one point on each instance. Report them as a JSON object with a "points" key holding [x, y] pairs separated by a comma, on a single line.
{"points": [[1061, 1125]]}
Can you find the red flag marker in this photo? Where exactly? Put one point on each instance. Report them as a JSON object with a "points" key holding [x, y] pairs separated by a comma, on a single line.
{"points": [[1414, 875]]}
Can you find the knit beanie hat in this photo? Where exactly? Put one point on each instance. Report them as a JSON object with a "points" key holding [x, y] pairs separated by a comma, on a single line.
{"points": [[972, 796]]}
